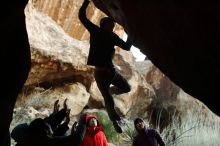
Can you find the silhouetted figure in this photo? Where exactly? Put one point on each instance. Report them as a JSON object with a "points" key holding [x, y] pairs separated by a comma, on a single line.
{"points": [[58, 122], [102, 42], [15, 60], [94, 134], [20, 133], [145, 135], [39, 133]]}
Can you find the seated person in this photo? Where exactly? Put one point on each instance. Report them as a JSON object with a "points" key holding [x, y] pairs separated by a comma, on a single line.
{"points": [[39, 133]]}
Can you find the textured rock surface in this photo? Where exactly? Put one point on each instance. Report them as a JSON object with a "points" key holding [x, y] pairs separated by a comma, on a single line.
{"points": [[55, 55], [65, 13], [180, 38], [50, 44], [41, 99], [58, 59], [58, 72], [171, 100]]}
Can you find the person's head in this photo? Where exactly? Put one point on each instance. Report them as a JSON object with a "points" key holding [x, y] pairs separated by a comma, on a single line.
{"points": [[40, 127], [139, 124], [92, 121], [20, 132], [107, 24]]}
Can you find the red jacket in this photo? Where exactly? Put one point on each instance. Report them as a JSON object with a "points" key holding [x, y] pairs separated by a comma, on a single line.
{"points": [[94, 137]]}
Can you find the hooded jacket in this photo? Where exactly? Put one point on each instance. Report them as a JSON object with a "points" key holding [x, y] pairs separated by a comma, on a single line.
{"points": [[147, 137], [94, 135]]}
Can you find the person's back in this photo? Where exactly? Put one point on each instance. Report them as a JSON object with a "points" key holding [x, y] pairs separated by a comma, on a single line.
{"points": [[40, 134], [101, 49]]}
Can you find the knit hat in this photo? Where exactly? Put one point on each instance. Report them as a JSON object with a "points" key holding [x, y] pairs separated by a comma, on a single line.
{"points": [[39, 127], [88, 118], [19, 132], [138, 120]]}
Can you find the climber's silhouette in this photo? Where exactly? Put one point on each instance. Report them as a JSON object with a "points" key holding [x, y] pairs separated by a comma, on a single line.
{"points": [[15, 60], [102, 42]]}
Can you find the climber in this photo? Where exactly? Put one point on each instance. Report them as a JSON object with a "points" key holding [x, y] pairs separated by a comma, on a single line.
{"points": [[102, 42]]}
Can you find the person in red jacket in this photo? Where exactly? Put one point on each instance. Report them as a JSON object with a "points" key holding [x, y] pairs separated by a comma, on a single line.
{"points": [[94, 135]]}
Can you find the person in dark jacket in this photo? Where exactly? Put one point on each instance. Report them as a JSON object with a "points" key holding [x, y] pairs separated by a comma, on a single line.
{"points": [[40, 134], [145, 135], [101, 52]]}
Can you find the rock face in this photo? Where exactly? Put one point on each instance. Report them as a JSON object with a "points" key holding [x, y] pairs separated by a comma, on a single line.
{"points": [[59, 71], [65, 13], [170, 99], [59, 62], [180, 38], [55, 55], [59, 59]]}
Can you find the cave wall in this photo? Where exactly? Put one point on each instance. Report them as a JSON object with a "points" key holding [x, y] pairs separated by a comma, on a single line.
{"points": [[13, 38], [180, 38], [65, 13]]}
